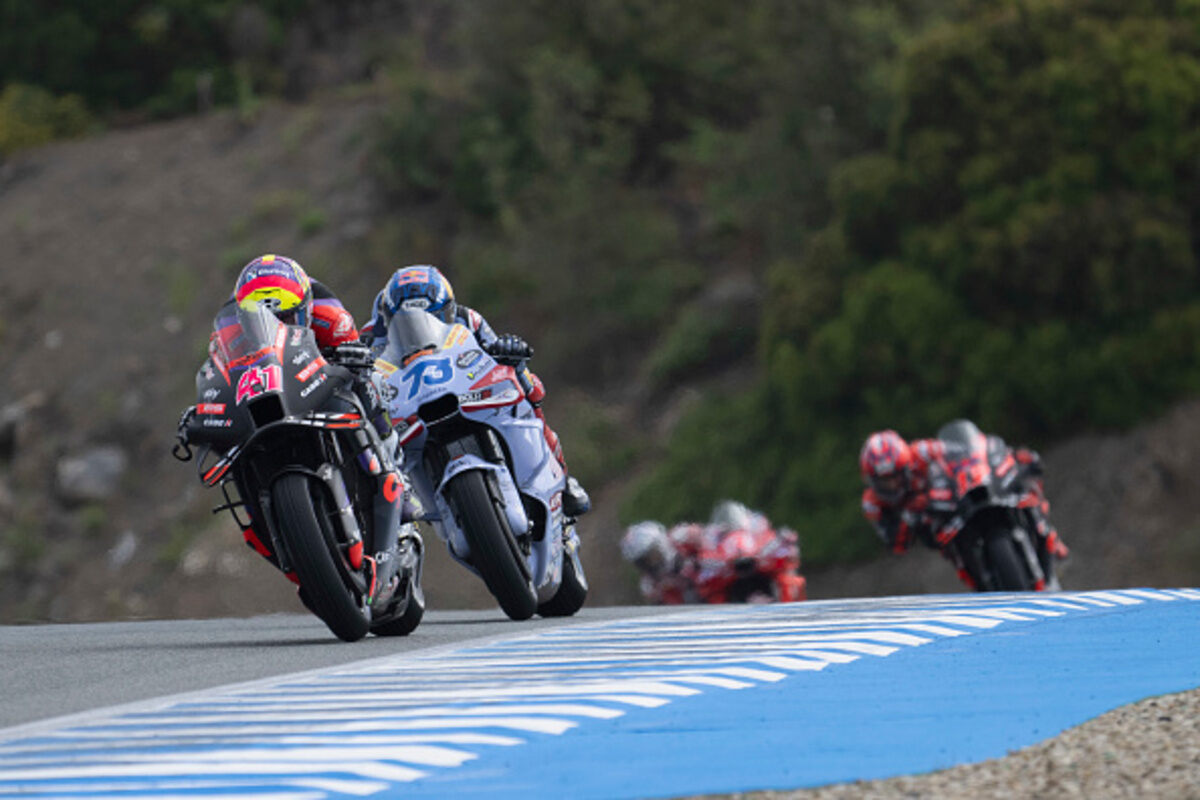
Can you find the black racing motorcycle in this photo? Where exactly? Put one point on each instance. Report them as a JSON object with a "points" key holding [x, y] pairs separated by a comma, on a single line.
{"points": [[281, 432], [979, 493]]}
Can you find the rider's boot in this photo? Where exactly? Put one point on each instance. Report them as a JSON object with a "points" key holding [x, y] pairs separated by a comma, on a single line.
{"points": [[575, 499]]}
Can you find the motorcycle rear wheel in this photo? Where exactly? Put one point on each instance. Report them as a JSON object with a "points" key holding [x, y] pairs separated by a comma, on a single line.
{"points": [[309, 550], [494, 550], [571, 594]]}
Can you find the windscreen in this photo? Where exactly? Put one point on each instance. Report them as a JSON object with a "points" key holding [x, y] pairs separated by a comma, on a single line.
{"points": [[412, 331], [242, 333], [962, 439]]}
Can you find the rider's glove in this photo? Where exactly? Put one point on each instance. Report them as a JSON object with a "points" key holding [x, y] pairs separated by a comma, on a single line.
{"points": [[510, 349], [353, 356]]}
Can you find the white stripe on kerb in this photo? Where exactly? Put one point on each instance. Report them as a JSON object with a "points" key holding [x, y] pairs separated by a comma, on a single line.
{"points": [[199, 716], [94, 789], [1116, 597], [1095, 601], [409, 754], [385, 772], [1148, 594], [714, 680], [102, 742], [579, 689], [528, 724], [796, 664]]}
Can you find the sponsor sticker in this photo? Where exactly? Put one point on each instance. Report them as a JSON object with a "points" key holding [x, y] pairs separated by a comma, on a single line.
{"points": [[468, 358], [297, 335], [301, 357], [308, 371], [307, 390], [210, 408], [211, 394], [415, 304]]}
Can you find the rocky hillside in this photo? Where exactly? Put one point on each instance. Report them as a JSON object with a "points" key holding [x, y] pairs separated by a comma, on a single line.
{"points": [[118, 248]]}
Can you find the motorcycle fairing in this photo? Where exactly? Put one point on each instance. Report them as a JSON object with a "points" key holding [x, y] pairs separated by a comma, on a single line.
{"points": [[427, 360], [259, 371], [979, 476]]}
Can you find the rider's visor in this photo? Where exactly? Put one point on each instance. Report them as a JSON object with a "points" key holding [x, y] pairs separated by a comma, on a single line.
{"points": [[651, 562], [889, 485]]}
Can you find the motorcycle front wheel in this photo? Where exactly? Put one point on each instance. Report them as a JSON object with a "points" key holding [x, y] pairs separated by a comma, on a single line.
{"points": [[309, 552], [494, 550], [1008, 568]]}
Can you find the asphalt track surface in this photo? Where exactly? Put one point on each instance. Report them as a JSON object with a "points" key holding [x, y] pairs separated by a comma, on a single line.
{"points": [[54, 670], [617, 703]]}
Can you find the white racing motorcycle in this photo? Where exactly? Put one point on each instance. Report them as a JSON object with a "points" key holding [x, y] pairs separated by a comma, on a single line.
{"points": [[480, 465]]}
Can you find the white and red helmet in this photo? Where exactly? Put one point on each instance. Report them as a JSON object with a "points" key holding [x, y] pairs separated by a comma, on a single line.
{"points": [[885, 461], [646, 546]]}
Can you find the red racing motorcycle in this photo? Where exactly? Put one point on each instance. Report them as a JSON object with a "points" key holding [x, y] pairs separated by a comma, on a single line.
{"points": [[980, 500], [750, 563]]}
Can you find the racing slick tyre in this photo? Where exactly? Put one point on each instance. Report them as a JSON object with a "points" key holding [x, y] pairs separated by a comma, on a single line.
{"points": [[571, 592], [494, 550], [325, 593], [1009, 572]]}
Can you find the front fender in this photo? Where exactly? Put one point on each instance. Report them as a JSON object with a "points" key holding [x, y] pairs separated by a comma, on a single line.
{"points": [[514, 510]]}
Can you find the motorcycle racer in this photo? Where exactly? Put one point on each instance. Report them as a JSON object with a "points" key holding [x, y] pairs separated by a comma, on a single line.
{"points": [[284, 286], [690, 563], [908, 489], [665, 559], [424, 287]]}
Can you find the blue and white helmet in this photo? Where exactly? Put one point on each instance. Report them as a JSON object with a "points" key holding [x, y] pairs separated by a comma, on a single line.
{"points": [[417, 288]]}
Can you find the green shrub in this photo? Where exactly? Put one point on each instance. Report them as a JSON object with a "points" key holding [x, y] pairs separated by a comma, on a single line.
{"points": [[702, 337], [1020, 252], [30, 116], [311, 221]]}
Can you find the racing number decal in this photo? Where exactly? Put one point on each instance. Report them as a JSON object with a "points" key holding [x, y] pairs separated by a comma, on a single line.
{"points": [[257, 380], [430, 373]]}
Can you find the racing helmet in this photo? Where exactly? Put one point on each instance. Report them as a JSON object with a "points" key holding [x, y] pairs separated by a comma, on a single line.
{"points": [[884, 461], [730, 515], [421, 287], [281, 284], [646, 546]]}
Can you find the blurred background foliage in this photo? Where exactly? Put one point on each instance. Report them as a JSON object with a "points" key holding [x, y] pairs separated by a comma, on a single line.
{"points": [[823, 217]]}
